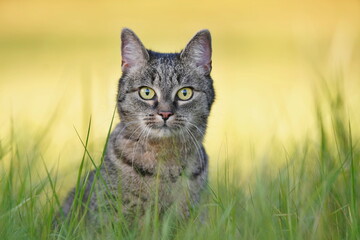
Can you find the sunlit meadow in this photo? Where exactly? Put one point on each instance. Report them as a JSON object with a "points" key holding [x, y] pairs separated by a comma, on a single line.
{"points": [[283, 135]]}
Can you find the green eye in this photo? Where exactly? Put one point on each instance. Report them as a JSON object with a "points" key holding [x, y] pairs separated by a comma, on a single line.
{"points": [[146, 93], [185, 94]]}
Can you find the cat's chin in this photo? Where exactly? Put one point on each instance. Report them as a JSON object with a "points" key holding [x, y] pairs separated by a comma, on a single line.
{"points": [[163, 132]]}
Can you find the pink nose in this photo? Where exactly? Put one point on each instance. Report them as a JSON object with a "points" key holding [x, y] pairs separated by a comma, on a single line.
{"points": [[165, 115]]}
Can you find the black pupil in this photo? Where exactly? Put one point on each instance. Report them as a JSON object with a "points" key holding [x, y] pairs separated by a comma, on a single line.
{"points": [[147, 92], [184, 92]]}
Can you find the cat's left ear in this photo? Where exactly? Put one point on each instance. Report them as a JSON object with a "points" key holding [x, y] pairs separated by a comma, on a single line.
{"points": [[198, 51]]}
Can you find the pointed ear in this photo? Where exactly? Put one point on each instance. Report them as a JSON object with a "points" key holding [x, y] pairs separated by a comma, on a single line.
{"points": [[133, 52], [198, 51]]}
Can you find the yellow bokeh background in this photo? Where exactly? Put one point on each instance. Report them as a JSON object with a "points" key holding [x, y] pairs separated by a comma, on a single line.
{"points": [[60, 63]]}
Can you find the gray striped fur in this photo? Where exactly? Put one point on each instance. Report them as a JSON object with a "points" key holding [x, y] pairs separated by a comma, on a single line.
{"points": [[144, 157]]}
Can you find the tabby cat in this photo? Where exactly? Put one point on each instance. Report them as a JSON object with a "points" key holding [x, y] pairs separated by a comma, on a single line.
{"points": [[155, 154]]}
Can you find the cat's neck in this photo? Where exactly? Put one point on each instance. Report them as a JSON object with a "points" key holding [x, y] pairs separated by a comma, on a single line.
{"points": [[149, 153]]}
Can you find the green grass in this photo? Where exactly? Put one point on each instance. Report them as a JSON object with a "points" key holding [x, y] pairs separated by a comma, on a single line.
{"points": [[313, 195]]}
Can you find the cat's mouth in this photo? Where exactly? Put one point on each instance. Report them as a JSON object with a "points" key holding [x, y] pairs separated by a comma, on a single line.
{"points": [[165, 127]]}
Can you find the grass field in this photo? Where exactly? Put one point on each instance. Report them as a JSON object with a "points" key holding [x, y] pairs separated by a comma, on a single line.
{"points": [[315, 195], [283, 135]]}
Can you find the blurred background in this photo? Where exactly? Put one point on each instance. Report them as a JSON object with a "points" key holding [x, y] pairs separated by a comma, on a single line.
{"points": [[60, 64]]}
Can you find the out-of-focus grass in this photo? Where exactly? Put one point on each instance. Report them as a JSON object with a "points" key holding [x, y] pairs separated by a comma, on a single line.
{"points": [[283, 163]]}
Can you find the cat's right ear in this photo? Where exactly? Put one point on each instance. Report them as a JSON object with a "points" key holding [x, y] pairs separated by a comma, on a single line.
{"points": [[133, 52]]}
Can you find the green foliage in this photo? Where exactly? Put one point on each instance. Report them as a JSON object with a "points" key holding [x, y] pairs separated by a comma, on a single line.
{"points": [[314, 195]]}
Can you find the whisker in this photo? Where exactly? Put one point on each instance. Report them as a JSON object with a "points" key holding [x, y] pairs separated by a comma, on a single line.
{"points": [[184, 142], [137, 143], [197, 128], [193, 139]]}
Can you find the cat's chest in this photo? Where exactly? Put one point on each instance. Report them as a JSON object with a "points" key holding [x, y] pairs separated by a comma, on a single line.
{"points": [[163, 170], [171, 174], [167, 187]]}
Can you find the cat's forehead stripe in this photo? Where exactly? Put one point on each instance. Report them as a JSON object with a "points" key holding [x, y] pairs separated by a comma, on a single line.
{"points": [[155, 78], [166, 74]]}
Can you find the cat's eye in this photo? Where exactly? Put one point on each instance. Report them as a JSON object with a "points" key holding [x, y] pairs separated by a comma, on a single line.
{"points": [[185, 94], [146, 93]]}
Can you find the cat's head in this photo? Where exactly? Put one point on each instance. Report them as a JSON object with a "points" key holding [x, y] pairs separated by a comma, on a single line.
{"points": [[165, 94]]}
